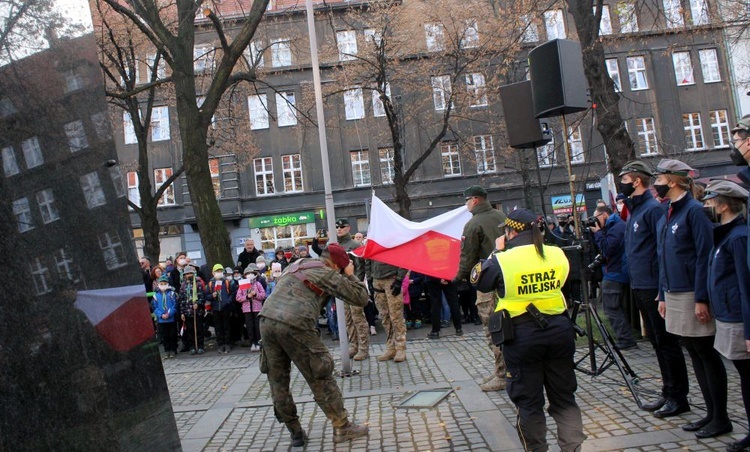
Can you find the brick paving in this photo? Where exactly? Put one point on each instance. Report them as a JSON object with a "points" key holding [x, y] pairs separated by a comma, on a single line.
{"points": [[222, 403]]}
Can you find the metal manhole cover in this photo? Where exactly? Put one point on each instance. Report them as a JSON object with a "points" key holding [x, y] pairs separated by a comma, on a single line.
{"points": [[424, 399]]}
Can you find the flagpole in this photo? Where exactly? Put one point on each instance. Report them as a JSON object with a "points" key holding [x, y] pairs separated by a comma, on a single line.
{"points": [[346, 366]]}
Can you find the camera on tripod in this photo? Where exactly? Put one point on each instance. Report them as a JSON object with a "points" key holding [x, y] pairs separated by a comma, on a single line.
{"points": [[597, 262]]}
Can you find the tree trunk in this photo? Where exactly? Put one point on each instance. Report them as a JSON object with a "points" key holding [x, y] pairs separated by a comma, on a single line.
{"points": [[150, 227]]}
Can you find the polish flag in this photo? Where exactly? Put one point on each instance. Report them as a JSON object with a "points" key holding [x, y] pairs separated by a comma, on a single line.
{"points": [[120, 315], [432, 247]]}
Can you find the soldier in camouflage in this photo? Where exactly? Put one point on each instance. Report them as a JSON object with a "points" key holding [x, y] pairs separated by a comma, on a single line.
{"points": [[386, 281], [357, 328], [287, 326]]}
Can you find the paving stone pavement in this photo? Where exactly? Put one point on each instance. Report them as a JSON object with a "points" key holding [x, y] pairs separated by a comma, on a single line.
{"points": [[222, 403]]}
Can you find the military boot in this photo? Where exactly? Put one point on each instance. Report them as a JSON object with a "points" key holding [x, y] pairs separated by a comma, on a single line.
{"points": [[400, 356], [349, 431], [361, 355], [297, 433], [388, 355], [496, 384], [352, 351]]}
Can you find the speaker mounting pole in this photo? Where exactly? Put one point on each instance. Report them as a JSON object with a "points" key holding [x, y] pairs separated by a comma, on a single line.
{"points": [[571, 178]]}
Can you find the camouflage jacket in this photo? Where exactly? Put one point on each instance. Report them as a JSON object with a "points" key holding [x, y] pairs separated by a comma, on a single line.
{"points": [[186, 294], [478, 238], [348, 243], [297, 305]]}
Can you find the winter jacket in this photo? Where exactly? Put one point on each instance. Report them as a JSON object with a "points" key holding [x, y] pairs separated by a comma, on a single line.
{"points": [[684, 238], [478, 237], [255, 303], [225, 295], [164, 303], [728, 274], [611, 243], [186, 297], [640, 240], [744, 176], [246, 258]]}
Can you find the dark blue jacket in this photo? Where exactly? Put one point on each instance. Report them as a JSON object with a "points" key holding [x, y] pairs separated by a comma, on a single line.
{"points": [[728, 274], [640, 240], [684, 243], [744, 176], [225, 296], [611, 243], [164, 303]]}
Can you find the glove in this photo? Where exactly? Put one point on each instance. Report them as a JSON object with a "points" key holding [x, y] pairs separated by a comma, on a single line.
{"points": [[396, 287]]}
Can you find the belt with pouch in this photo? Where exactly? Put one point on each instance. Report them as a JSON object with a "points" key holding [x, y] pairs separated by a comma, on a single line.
{"points": [[526, 318]]}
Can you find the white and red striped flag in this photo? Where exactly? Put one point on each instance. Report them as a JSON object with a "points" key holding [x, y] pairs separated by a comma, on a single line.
{"points": [[432, 247], [120, 315]]}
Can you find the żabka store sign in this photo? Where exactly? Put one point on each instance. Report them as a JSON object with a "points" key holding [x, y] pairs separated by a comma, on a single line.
{"points": [[282, 220]]}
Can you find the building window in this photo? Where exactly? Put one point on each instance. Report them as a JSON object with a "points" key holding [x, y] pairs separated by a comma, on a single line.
{"points": [[254, 54], [720, 128], [92, 190], [693, 131], [387, 168], [647, 136], [626, 12], [470, 38], [673, 14], [6, 107], [32, 152], [683, 68], [112, 250], [22, 211], [160, 177], [546, 154], [699, 12], [46, 201], [133, 194], [530, 31], [264, 176], [286, 113], [576, 145], [10, 164], [354, 104], [76, 136], [161, 68], [257, 105], [373, 36], [485, 154], [451, 162], [378, 109], [214, 167], [709, 65], [128, 129], [203, 58], [605, 25], [291, 166], [347, 44], [360, 168], [637, 73], [281, 53], [160, 123], [41, 277], [73, 81], [477, 88], [115, 173], [64, 264], [101, 125], [613, 69], [441, 91], [553, 22], [435, 37]]}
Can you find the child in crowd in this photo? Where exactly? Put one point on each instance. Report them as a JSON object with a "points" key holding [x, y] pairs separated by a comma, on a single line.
{"points": [[251, 297], [164, 306], [220, 294], [275, 273], [192, 308]]}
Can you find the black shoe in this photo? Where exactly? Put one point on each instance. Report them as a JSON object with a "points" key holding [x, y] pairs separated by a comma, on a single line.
{"points": [[433, 335], [739, 446], [695, 426], [459, 332], [627, 346], [477, 321], [655, 405], [672, 408], [299, 438], [710, 431]]}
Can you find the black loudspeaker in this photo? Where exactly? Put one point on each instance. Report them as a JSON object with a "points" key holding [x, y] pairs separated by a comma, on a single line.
{"points": [[558, 84], [524, 130]]}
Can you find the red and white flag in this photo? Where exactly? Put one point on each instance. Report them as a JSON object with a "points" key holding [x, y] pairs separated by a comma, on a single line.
{"points": [[120, 315], [432, 247]]}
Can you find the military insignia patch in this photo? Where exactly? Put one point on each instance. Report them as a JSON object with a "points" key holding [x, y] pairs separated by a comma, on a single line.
{"points": [[476, 273]]}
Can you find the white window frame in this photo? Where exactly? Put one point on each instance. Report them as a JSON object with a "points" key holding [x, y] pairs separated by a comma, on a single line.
{"points": [[554, 23], [346, 41], [673, 14], [477, 88], [167, 198], [10, 163], [387, 168], [710, 65], [115, 173], [470, 37], [263, 167], [546, 154], [112, 250], [6, 107], [530, 30], [361, 175], [694, 140], [720, 128], [647, 140], [257, 106], [101, 125], [92, 190], [133, 194], [281, 52], [160, 123], [613, 70], [628, 17], [354, 103], [577, 152], [291, 166], [254, 54], [22, 212], [76, 136], [161, 69], [378, 109], [128, 129], [203, 58], [605, 25], [434, 37], [699, 12], [683, 68], [64, 265], [441, 91], [45, 199], [32, 152], [73, 81], [450, 158], [484, 150], [286, 114], [373, 36], [637, 73], [40, 274]]}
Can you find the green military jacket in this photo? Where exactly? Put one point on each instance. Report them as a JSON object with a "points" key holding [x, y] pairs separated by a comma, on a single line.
{"points": [[380, 270], [348, 243], [479, 236], [296, 305]]}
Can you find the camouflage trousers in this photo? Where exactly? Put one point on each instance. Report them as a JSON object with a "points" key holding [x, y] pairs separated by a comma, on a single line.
{"points": [[391, 309], [486, 303], [283, 345], [357, 328]]}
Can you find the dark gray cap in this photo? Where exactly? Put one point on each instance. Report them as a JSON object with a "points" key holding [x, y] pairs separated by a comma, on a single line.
{"points": [[724, 188], [744, 124], [475, 190], [636, 166], [676, 167]]}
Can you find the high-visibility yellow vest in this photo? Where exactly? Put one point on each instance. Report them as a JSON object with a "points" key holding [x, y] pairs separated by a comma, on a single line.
{"points": [[529, 279]]}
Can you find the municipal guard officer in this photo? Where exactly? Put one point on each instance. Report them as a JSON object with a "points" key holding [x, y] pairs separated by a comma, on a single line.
{"points": [[287, 326], [528, 277]]}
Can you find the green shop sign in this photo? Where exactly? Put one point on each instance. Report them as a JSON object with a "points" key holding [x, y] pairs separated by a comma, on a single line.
{"points": [[282, 220]]}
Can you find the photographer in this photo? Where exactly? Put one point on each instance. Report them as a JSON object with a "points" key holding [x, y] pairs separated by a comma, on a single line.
{"points": [[609, 235]]}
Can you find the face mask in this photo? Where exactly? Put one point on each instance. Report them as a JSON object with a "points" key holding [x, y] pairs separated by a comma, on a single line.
{"points": [[288, 255], [237, 277], [261, 266], [181, 261], [712, 215], [251, 277], [219, 275], [620, 207], [661, 190], [627, 189], [737, 157], [163, 287]]}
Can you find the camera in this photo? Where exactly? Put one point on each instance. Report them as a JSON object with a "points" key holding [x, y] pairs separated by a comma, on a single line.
{"points": [[323, 233], [591, 222], [597, 262]]}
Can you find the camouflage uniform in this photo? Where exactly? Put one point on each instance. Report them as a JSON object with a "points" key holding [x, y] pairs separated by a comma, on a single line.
{"points": [[478, 242], [287, 326], [391, 307], [357, 328]]}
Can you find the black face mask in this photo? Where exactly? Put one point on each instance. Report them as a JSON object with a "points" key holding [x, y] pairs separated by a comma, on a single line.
{"points": [[713, 217], [737, 157], [661, 190], [627, 189]]}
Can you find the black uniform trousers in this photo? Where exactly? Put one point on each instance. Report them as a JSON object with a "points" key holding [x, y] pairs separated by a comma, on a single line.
{"points": [[538, 361], [436, 291]]}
